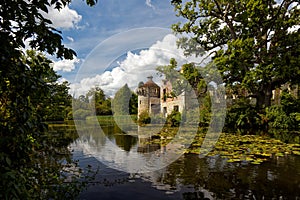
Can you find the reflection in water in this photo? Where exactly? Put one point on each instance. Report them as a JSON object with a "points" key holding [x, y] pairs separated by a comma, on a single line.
{"points": [[135, 154], [214, 177], [189, 177]]}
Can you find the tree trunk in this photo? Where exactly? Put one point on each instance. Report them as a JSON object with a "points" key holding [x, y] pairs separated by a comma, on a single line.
{"points": [[264, 97]]}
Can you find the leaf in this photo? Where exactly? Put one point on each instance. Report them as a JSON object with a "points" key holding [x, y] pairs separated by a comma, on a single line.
{"points": [[296, 152], [279, 154], [8, 161], [256, 162]]}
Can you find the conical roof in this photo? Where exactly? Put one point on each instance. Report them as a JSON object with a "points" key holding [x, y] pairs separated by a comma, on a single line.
{"points": [[150, 83]]}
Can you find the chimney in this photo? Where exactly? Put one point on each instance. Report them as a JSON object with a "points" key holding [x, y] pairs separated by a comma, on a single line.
{"points": [[150, 78]]}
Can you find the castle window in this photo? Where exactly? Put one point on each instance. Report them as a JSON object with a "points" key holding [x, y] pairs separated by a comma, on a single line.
{"points": [[176, 108], [165, 111], [140, 102], [164, 94]]}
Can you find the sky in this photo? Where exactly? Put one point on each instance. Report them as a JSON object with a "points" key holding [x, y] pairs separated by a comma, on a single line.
{"points": [[116, 42]]}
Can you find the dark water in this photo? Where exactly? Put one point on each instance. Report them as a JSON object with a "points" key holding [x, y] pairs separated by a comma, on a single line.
{"points": [[189, 177]]}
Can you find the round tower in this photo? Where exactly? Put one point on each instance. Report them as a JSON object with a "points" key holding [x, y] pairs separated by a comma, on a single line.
{"points": [[148, 97]]}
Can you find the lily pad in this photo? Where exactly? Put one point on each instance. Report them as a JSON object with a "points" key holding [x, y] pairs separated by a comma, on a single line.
{"points": [[296, 152]]}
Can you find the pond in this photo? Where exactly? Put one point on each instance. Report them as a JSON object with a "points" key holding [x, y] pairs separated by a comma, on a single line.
{"points": [[187, 177]]}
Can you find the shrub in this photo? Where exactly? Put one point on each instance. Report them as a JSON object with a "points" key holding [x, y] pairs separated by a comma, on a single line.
{"points": [[283, 125], [242, 116], [144, 118], [174, 119]]}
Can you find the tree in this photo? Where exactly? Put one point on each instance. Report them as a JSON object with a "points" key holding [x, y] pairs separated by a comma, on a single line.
{"points": [[98, 99], [188, 75], [254, 43], [53, 105], [24, 93], [124, 102], [96, 95], [189, 78], [29, 166]]}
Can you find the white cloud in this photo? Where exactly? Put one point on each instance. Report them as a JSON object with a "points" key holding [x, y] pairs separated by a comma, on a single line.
{"points": [[65, 65], [134, 68], [149, 3], [70, 39], [65, 18]]}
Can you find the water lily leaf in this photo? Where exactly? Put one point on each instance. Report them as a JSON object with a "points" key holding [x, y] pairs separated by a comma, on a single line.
{"points": [[256, 162], [279, 154], [296, 152], [249, 158], [230, 160], [266, 154]]}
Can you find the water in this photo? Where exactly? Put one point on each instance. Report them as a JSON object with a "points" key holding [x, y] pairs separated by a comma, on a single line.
{"points": [[188, 177]]}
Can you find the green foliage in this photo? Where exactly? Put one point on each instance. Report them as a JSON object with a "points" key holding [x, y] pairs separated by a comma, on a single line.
{"points": [[205, 110], [242, 117], [96, 95], [253, 149], [251, 42], [144, 118], [284, 120], [189, 79], [104, 108], [29, 166], [98, 99], [94, 100], [125, 102], [81, 114], [290, 103], [174, 119], [191, 114], [133, 104], [82, 102]]}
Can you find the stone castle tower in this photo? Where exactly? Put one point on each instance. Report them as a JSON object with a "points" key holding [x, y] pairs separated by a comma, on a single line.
{"points": [[148, 97]]}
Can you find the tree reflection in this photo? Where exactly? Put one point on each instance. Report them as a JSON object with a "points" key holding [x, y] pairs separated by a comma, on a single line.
{"points": [[215, 178]]}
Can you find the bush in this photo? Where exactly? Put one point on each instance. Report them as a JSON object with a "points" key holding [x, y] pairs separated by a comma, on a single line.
{"points": [[174, 119], [243, 117], [144, 118], [283, 125], [290, 103], [283, 121]]}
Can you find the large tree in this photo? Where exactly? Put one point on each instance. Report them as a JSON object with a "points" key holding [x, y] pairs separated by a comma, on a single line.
{"points": [[52, 99], [254, 43], [24, 93]]}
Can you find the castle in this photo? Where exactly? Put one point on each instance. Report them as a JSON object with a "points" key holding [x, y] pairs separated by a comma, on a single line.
{"points": [[157, 100]]}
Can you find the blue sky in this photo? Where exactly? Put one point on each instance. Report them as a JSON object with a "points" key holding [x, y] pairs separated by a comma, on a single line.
{"points": [[92, 25], [110, 17], [96, 33]]}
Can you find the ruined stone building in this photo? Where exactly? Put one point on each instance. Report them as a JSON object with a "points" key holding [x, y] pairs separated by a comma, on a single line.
{"points": [[157, 100], [148, 97]]}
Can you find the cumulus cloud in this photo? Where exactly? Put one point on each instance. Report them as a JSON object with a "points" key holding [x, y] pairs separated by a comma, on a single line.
{"points": [[134, 68], [65, 18], [65, 65]]}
